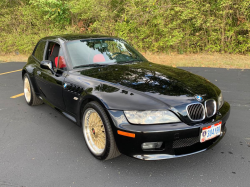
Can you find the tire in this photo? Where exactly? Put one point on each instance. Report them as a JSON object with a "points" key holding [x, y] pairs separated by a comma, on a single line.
{"points": [[29, 93], [97, 132]]}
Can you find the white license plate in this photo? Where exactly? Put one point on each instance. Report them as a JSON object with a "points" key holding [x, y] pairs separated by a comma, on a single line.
{"points": [[210, 132]]}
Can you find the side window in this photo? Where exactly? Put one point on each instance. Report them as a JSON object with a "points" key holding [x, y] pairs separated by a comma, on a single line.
{"points": [[39, 51], [55, 54]]}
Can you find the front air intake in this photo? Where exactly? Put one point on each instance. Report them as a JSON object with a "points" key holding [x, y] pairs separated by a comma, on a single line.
{"points": [[196, 112], [185, 142]]}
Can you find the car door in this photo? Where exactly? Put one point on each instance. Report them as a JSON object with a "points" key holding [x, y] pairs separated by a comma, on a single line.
{"points": [[50, 83]]}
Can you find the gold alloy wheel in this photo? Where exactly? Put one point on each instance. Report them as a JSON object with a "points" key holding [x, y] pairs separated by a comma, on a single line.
{"points": [[27, 91], [94, 131]]}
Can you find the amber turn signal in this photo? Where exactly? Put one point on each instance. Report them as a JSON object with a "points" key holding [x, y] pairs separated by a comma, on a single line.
{"points": [[132, 135]]}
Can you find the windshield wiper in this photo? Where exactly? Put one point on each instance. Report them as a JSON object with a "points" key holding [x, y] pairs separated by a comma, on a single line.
{"points": [[89, 65]]}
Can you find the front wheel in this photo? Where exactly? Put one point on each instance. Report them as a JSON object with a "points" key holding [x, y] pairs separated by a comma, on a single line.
{"points": [[98, 133], [29, 93]]}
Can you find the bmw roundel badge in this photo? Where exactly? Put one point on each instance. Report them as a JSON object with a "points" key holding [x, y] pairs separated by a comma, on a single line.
{"points": [[198, 98]]}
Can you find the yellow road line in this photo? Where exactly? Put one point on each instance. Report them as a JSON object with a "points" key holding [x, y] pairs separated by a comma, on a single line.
{"points": [[15, 96], [10, 72]]}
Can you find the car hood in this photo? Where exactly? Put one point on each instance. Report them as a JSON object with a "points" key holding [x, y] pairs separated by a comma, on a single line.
{"points": [[167, 84]]}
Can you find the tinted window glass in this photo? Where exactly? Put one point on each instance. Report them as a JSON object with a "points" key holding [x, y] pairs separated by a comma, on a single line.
{"points": [[52, 53], [105, 51], [40, 50]]}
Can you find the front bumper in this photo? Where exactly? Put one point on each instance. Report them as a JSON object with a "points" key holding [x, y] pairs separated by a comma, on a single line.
{"points": [[178, 139]]}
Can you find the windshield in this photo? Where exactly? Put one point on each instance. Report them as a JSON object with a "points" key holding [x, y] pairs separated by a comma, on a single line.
{"points": [[101, 51]]}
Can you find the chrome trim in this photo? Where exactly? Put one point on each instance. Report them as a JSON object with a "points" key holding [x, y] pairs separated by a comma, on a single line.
{"points": [[164, 156], [215, 107], [222, 101], [204, 115]]}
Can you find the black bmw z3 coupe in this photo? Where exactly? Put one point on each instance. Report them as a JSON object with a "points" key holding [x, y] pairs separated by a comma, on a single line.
{"points": [[124, 103]]}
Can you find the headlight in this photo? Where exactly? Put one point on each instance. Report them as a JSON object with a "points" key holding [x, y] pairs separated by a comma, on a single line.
{"points": [[220, 101], [151, 117]]}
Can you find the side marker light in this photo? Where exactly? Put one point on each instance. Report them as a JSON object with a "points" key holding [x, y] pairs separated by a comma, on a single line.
{"points": [[132, 135]]}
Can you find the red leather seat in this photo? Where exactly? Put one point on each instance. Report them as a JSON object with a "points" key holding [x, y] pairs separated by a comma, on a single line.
{"points": [[98, 58], [62, 63], [56, 61]]}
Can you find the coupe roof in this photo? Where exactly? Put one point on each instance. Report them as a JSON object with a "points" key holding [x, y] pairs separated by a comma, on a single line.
{"points": [[69, 37]]}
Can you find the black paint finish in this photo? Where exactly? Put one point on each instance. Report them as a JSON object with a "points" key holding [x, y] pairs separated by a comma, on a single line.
{"points": [[128, 86]]}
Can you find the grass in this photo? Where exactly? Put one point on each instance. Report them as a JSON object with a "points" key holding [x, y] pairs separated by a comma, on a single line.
{"points": [[202, 60], [176, 60], [13, 58]]}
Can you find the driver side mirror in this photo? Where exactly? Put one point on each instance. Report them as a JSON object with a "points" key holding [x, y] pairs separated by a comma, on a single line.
{"points": [[47, 64]]}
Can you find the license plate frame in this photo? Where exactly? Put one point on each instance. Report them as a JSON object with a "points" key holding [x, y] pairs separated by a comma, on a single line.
{"points": [[210, 132]]}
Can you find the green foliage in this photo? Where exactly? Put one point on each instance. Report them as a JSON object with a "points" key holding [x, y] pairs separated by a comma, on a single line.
{"points": [[187, 26], [56, 11]]}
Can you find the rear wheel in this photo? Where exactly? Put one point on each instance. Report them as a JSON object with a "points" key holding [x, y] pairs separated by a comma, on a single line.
{"points": [[29, 93], [98, 133]]}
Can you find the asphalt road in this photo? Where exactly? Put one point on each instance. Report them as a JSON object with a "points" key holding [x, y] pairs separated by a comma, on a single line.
{"points": [[39, 147]]}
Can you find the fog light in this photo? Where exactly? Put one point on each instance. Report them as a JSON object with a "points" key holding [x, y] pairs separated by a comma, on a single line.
{"points": [[151, 145]]}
